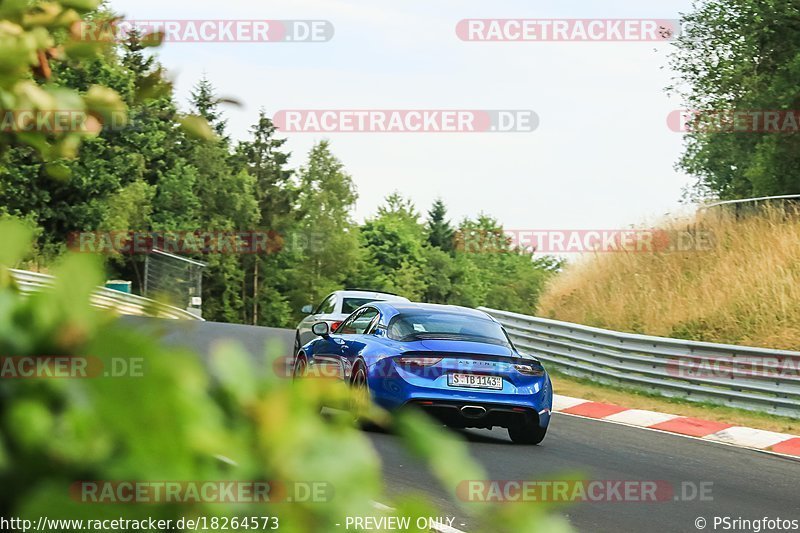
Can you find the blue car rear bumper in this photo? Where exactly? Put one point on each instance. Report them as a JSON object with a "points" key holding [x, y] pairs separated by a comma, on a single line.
{"points": [[392, 392]]}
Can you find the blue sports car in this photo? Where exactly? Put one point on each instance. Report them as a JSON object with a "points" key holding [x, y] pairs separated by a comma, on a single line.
{"points": [[457, 364]]}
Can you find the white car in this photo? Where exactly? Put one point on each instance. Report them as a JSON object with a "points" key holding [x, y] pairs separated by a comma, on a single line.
{"points": [[335, 308]]}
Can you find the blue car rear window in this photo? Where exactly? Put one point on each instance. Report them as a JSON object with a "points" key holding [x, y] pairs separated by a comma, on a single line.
{"points": [[447, 326]]}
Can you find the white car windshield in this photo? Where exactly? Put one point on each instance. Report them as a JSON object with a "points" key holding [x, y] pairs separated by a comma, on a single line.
{"points": [[351, 304]]}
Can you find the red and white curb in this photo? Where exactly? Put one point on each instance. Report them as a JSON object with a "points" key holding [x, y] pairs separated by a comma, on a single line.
{"points": [[682, 425]]}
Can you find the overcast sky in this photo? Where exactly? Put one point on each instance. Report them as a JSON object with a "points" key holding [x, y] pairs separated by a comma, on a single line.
{"points": [[601, 158]]}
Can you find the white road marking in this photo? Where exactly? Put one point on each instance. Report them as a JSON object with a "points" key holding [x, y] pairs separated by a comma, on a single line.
{"points": [[565, 402], [752, 438], [640, 417]]}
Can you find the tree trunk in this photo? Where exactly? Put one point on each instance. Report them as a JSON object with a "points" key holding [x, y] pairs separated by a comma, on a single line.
{"points": [[255, 293]]}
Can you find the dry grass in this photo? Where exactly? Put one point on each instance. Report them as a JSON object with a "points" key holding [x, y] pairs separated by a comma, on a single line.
{"points": [[743, 289], [578, 388]]}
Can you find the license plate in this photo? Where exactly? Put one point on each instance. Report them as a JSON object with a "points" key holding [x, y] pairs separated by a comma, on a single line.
{"points": [[475, 381]]}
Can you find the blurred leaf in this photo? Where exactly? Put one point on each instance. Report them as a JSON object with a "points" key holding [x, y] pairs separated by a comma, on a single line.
{"points": [[152, 86], [30, 424], [36, 96], [153, 39], [415, 507], [230, 365], [13, 8], [83, 49], [46, 14], [16, 238], [231, 101], [65, 312], [66, 99], [447, 455], [3, 454], [197, 127], [81, 5], [66, 147], [104, 101], [78, 276], [58, 170]]}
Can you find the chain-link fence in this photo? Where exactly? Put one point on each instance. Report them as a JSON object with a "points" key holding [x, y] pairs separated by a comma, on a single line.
{"points": [[178, 280]]}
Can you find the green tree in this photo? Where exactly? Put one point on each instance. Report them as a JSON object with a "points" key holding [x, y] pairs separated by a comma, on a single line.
{"points": [[394, 242], [439, 274], [229, 203], [325, 241], [263, 158], [440, 233], [266, 282], [740, 55], [500, 276], [205, 102], [137, 147]]}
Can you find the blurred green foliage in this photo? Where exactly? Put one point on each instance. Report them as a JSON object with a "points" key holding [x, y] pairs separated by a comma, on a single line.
{"points": [[143, 165], [31, 35], [174, 422]]}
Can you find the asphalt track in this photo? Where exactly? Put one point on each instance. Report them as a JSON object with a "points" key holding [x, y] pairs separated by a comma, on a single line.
{"points": [[743, 483]]}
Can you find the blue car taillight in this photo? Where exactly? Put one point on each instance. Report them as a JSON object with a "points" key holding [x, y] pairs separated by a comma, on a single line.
{"points": [[530, 370], [418, 361]]}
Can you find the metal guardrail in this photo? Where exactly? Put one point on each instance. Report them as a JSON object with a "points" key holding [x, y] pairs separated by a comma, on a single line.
{"points": [[752, 200], [736, 376], [103, 298]]}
